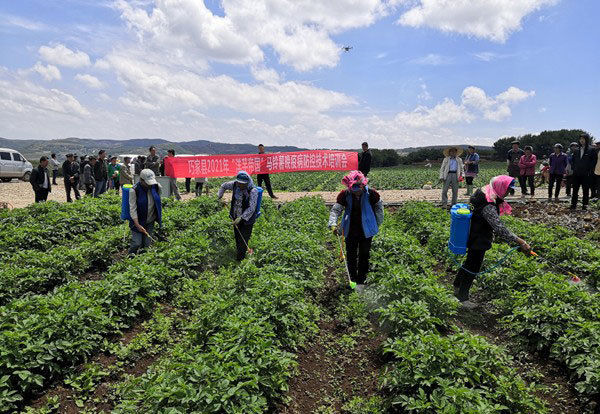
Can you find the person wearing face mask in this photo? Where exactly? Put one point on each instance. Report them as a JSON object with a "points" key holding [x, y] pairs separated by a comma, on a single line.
{"points": [[488, 205], [244, 201], [145, 210], [361, 209]]}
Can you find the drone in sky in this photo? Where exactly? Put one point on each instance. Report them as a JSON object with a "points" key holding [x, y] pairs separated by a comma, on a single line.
{"points": [[347, 48]]}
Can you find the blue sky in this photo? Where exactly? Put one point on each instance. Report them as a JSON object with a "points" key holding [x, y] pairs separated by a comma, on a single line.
{"points": [[420, 72]]}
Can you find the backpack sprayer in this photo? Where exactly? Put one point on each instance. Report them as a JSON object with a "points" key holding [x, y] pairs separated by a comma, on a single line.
{"points": [[125, 214], [460, 225]]}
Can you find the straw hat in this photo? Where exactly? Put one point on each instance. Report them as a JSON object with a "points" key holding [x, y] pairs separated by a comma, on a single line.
{"points": [[459, 151]]}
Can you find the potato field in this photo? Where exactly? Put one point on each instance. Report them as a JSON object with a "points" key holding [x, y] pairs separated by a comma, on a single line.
{"points": [[184, 328], [404, 177]]}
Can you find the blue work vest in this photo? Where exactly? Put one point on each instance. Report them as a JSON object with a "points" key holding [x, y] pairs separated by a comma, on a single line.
{"points": [[369, 222], [141, 196]]}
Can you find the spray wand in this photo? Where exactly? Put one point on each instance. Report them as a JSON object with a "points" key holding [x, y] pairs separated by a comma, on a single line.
{"points": [[250, 251], [343, 257], [574, 278]]}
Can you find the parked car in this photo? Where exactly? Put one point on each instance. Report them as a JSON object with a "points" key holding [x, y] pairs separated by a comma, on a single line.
{"points": [[14, 165]]}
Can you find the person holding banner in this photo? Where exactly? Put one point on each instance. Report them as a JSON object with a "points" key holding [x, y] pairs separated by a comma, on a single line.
{"points": [[362, 215], [242, 211], [265, 177]]}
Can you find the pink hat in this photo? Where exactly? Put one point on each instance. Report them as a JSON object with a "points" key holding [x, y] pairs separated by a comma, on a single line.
{"points": [[354, 177]]}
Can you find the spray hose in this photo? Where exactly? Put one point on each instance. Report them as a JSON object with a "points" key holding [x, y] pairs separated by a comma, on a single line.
{"points": [[493, 267], [574, 278]]}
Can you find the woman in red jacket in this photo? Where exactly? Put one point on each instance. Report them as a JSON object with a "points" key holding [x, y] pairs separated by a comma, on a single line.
{"points": [[527, 165]]}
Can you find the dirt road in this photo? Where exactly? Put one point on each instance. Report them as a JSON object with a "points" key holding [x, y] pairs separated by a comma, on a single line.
{"points": [[20, 194]]}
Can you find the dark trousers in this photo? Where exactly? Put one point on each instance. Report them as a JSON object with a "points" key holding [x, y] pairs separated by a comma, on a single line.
{"points": [[525, 180], [569, 185], [199, 189], [469, 180], [188, 184], [267, 180], [41, 195], [242, 234], [72, 185], [580, 181], [89, 189], [555, 178], [596, 186], [360, 247], [100, 187], [54, 175], [465, 277]]}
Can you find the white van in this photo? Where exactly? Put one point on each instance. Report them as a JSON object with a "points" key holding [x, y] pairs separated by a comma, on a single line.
{"points": [[14, 165]]}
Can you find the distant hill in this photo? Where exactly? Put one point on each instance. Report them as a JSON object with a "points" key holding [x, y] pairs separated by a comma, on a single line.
{"points": [[33, 149], [413, 149]]}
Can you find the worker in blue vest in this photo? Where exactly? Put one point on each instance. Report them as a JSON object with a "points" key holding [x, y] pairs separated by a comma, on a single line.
{"points": [[362, 215], [145, 210], [488, 205], [244, 201]]}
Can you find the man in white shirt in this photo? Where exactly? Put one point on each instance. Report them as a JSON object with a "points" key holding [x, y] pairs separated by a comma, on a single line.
{"points": [[40, 181]]}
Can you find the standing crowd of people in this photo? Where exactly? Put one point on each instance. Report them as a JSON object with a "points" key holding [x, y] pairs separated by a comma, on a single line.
{"points": [[578, 168]]}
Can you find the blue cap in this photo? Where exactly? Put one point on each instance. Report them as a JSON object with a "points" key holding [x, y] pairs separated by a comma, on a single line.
{"points": [[242, 177]]}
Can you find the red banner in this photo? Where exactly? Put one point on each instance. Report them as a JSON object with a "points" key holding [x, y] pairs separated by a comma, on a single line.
{"points": [[229, 165]]}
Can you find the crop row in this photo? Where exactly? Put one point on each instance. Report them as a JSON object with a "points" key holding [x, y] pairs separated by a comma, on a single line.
{"points": [[539, 307], [37, 272], [392, 178], [245, 324], [433, 366], [53, 224], [43, 337]]}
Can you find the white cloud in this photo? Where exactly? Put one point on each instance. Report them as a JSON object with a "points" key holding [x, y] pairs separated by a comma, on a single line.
{"points": [[494, 109], [490, 19], [298, 31], [48, 72], [152, 85], [433, 59], [18, 95], [22, 23], [89, 80], [63, 56], [424, 95]]}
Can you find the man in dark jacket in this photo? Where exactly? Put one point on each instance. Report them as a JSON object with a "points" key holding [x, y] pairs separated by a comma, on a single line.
{"points": [[558, 167], [512, 161], [264, 177], [152, 161], [71, 176], [362, 210], [100, 174], [583, 163], [40, 181], [139, 164], [364, 163]]}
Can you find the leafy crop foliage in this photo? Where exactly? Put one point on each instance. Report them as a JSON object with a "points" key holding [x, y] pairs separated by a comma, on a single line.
{"points": [[539, 307], [245, 324], [404, 177], [45, 336], [428, 371], [42, 225]]}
